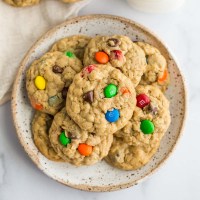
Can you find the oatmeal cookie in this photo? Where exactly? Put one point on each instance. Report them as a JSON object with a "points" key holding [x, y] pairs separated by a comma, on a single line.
{"points": [[77, 146], [21, 3], [156, 71], [120, 52], [101, 99], [75, 44], [48, 79], [40, 130], [139, 140], [70, 1]]}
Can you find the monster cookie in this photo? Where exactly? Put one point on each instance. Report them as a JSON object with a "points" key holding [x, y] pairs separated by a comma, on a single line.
{"points": [[40, 130], [21, 3], [120, 52], [156, 72], [70, 1], [77, 146], [48, 78], [101, 99], [75, 44], [139, 140]]}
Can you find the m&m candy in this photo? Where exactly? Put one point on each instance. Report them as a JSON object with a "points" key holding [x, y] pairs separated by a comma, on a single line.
{"points": [[69, 54], [142, 100], [125, 90], [101, 57], [85, 149], [116, 55], [54, 100], [64, 140], [147, 127], [110, 90], [112, 116], [40, 82], [88, 70]]}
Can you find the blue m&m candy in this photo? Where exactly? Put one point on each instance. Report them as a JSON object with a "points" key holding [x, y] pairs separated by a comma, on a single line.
{"points": [[112, 116]]}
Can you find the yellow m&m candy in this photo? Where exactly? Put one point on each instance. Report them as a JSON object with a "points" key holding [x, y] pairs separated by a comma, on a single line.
{"points": [[40, 83]]}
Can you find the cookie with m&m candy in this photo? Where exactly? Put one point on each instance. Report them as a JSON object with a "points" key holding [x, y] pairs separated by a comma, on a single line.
{"points": [[74, 45], [120, 52], [138, 141], [40, 129], [101, 99], [156, 72], [74, 145], [48, 79]]}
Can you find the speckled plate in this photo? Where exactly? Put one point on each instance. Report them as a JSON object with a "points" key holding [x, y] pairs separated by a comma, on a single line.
{"points": [[99, 177]]}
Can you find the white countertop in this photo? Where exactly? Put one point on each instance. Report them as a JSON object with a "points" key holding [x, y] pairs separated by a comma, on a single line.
{"points": [[179, 178]]}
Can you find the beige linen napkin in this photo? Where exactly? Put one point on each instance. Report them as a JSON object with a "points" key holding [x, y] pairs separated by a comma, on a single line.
{"points": [[20, 28]]}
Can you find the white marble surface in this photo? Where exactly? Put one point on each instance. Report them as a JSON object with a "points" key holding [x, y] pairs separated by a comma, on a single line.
{"points": [[179, 178]]}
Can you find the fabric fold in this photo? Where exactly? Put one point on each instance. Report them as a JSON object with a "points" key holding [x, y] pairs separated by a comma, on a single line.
{"points": [[20, 28]]}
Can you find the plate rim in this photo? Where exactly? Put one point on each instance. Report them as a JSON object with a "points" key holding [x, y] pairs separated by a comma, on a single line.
{"points": [[14, 96]]}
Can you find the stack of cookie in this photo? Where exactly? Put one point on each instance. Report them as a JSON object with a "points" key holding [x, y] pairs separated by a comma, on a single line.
{"points": [[100, 97]]}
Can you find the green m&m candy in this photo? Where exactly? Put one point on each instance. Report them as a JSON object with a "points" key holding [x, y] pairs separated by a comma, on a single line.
{"points": [[110, 90], [147, 127], [64, 140], [69, 54]]}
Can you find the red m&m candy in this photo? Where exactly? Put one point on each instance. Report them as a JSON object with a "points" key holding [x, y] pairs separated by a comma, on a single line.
{"points": [[116, 55], [87, 70], [142, 100]]}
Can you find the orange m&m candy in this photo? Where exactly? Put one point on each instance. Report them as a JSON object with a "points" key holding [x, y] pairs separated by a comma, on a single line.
{"points": [[101, 57], [125, 90], [164, 77], [36, 106], [85, 149]]}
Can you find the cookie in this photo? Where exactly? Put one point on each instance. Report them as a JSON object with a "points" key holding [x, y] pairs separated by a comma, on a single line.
{"points": [[75, 44], [101, 99], [21, 3], [156, 71], [40, 130], [48, 79], [139, 140], [77, 146], [70, 1], [120, 52]]}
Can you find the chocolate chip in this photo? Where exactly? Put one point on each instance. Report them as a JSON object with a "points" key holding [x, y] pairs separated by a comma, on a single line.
{"points": [[89, 96], [153, 109], [57, 69], [71, 136], [113, 42], [64, 92]]}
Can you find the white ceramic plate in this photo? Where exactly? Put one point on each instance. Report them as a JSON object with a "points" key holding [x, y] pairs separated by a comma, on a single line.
{"points": [[99, 177]]}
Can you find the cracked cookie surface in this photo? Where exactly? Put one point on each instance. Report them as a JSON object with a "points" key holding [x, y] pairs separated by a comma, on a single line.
{"points": [[132, 148], [84, 148], [48, 79], [121, 53], [88, 105]]}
